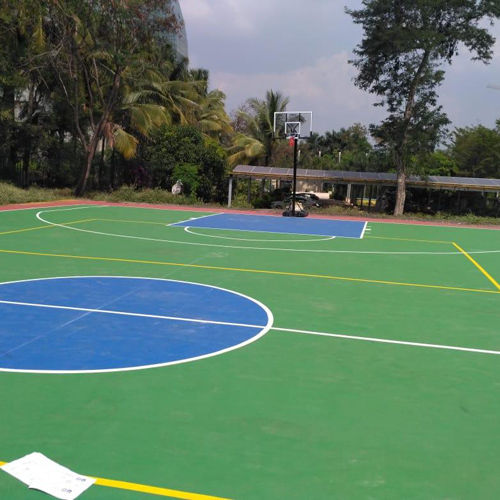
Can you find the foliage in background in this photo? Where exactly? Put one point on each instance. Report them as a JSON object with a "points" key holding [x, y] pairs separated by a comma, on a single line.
{"points": [[404, 45], [476, 151], [173, 148], [255, 123]]}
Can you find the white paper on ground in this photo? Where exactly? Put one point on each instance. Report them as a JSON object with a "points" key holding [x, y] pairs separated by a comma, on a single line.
{"points": [[40, 473]]}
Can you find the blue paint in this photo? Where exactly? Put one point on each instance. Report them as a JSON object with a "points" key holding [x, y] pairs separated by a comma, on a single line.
{"points": [[273, 224], [41, 338]]}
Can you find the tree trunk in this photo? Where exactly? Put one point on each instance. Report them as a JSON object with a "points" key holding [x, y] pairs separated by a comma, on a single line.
{"points": [[97, 135], [399, 207], [26, 163], [82, 185]]}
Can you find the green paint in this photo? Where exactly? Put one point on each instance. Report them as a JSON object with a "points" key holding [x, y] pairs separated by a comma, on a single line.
{"points": [[291, 416]]}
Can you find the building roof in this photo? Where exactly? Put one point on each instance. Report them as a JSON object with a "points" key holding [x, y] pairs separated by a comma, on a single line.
{"points": [[380, 178]]}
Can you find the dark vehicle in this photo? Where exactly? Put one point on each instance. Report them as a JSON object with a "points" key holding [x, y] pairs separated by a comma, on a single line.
{"points": [[307, 199]]}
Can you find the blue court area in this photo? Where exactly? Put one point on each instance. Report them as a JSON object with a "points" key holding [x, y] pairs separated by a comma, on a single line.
{"points": [[274, 224], [113, 323]]}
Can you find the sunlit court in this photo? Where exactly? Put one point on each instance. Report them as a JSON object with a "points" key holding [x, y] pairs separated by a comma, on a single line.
{"points": [[195, 355]]}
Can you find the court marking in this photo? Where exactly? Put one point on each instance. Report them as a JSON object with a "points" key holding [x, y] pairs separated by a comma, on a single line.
{"points": [[483, 271], [151, 490], [240, 222], [240, 247], [256, 271], [188, 229], [264, 329], [389, 341], [43, 227], [194, 218], [363, 231], [409, 239], [124, 313]]}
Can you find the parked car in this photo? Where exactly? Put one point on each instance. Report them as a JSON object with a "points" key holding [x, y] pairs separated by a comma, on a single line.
{"points": [[307, 199]]}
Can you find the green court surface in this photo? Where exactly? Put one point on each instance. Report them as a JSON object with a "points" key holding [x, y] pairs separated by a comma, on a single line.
{"points": [[380, 378]]}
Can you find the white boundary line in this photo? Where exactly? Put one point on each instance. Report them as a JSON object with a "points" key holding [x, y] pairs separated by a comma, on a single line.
{"points": [[186, 208], [388, 341], [125, 313], [363, 232], [265, 328], [187, 229], [237, 247], [174, 224]]}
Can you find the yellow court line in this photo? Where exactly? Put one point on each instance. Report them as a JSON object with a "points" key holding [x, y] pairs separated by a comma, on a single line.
{"points": [[132, 221], [407, 239], [43, 227], [242, 270], [152, 490], [495, 283]]}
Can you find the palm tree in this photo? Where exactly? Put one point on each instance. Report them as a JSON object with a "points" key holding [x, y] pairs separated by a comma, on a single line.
{"points": [[245, 149], [259, 120], [212, 118]]}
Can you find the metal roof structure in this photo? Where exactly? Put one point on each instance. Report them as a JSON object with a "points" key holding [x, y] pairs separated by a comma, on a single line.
{"points": [[379, 178]]}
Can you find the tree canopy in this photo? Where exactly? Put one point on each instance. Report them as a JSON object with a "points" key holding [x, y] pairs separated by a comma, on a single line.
{"points": [[400, 59]]}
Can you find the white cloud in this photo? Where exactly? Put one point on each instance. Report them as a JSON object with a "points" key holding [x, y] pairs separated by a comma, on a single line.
{"points": [[225, 17], [324, 87], [301, 48]]}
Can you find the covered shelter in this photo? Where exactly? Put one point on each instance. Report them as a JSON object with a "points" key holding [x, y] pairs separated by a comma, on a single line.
{"points": [[368, 183]]}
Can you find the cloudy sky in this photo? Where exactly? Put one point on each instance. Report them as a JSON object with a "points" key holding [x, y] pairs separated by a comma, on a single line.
{"points": [[302, 48]]}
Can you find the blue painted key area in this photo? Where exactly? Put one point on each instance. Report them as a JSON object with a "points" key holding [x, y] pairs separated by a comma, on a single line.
{"points": [[113, 323], [274, 224]]}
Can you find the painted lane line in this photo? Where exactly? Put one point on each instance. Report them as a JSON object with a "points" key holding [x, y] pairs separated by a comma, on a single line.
{"points": [[408, 239], [125, 313], [264, 330], [483, 271], [256, 271], [237, 247], [363, 231], [192, 218], [43, 227], [388, 341], [151, 490], [189, 230]]}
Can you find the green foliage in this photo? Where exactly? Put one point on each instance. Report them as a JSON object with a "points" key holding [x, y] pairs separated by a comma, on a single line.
{"points": [[476, 151], [132, 194], [399, 59], [255, 122], [177, 146], [188, 174], [12, 194], [436, 163]]}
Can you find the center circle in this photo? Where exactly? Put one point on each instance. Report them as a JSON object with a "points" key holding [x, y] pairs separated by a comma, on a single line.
{"points": [[88, 324]]}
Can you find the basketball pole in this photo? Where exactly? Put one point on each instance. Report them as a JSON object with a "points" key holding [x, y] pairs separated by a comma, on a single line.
{"points": [[294, 187]]}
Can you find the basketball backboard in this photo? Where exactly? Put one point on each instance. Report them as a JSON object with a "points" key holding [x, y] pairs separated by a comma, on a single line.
{"points": [[293, 124]]}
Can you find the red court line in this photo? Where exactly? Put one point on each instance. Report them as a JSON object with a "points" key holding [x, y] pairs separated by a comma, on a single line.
{"points": [[235, 211]]}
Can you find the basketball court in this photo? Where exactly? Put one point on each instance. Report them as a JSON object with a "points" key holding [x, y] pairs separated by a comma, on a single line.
{"points": [[187, 354]]}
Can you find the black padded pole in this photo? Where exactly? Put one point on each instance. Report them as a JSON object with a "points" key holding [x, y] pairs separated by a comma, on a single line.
{"points": [[294, 187]]}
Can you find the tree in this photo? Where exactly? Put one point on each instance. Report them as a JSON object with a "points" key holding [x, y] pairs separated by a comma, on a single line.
{"points": [[21, 101], [179, 149], [405, 43], [257, 117], [476, 151], [94, 47]]}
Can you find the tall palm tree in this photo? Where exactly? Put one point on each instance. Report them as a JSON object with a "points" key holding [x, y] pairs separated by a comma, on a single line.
{"points": [[212, 118], [244, 150], [259, 120]]}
